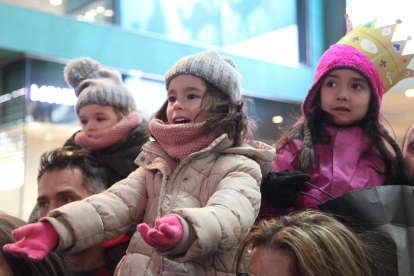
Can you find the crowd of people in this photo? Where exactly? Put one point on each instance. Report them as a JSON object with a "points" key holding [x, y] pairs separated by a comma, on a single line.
{"points": [[190, 192]]}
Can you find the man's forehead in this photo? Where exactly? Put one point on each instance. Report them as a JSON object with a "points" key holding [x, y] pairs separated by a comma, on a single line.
{"points": [[60, 179]]}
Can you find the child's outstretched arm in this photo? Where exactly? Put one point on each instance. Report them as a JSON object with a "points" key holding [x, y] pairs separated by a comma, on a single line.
{"points": [[101, 217]]}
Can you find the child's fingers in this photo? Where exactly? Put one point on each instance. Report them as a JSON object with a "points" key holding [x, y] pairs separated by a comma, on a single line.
{"points": [[158, 222], [156, 235], [17, 251], [143, 229], [22, 232], [13, 247], [166, 229], [36, 255], [8, 247]]}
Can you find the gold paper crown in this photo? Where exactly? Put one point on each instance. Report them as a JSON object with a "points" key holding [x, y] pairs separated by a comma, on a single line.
{"points": [[385, 55]]}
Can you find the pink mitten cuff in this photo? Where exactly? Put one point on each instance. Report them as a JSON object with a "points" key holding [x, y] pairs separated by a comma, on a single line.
{"points": [[165, 236], [65, 232], [35, 241], [185, 242]]}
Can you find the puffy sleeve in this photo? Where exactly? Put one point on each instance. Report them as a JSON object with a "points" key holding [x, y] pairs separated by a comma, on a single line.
{"points": [[101, 217], [232, 207]]}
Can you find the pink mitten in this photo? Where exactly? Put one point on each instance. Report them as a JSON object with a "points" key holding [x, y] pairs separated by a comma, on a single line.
{"points": [[37, 240], [165, 236]]}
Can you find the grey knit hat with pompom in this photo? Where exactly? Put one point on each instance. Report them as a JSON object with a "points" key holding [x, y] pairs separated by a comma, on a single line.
{"points": [[96, 85], [209, 66]]}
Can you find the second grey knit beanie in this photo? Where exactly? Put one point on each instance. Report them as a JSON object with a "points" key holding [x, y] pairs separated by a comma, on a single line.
{"points": [[96, 85]]}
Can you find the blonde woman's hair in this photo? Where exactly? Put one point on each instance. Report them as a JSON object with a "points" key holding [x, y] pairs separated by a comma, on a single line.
{"points": [[319, 244]]}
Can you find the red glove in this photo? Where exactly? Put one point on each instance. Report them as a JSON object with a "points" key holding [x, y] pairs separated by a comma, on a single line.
{"points": [[37, 240], [165, 236]]}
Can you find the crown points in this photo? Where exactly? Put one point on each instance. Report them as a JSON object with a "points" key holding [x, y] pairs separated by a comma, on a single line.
{"points": [[377, 45]]}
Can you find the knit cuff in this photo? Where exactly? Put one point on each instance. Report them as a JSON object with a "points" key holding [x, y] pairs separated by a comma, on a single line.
{"points": [[65, 232], [185, 242]]}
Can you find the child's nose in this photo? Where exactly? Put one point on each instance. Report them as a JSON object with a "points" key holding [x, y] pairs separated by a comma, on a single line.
{"points": [[91, 126], [177, 105], [343, 94]]}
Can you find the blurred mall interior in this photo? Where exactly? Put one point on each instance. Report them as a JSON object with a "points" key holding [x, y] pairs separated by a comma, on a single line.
{"points": [[276, 45]]}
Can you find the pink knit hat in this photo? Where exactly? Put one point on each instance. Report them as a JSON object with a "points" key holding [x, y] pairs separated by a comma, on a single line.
{"points": [[340, 56]]}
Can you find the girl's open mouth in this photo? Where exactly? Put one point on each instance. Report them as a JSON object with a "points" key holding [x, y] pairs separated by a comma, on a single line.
{"points": [[181, 121]]}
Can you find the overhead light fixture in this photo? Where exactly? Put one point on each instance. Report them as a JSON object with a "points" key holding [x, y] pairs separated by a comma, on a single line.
{"points": [[55, 2], [79, 17], [109, 13], [409, 93], [277, 119], [100, 9]]}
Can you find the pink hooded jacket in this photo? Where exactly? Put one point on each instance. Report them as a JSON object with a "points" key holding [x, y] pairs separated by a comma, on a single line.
{"points": [[341, 166], [345, 164]]}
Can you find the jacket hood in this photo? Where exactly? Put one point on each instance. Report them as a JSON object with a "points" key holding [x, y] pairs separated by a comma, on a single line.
{"points": [[260, 152]]}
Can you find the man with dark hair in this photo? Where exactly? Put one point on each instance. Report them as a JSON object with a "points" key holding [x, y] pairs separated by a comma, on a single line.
{"points": [[66, 176]]}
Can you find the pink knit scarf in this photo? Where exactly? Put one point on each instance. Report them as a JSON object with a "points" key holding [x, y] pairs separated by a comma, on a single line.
{"points": [[108, 137], [180, 140]]}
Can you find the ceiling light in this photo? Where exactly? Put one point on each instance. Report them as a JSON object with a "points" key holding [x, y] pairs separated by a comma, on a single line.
{"points": [[100, 9], [409, 93], [277, 119], [79, 17], [93, 12], [109, 13], [55, 2], [34, 125]]}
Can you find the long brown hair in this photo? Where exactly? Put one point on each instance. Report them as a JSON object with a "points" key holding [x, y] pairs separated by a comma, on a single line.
{"points": [[51, 265], [224, 115], [311, 130], [319, 244]]}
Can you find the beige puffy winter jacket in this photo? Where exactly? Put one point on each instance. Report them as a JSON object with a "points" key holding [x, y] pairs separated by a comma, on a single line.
{"points": [[215, 190]]}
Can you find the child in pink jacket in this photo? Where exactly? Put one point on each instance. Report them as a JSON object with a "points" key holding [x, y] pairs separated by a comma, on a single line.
{"points": [[339, 144]]}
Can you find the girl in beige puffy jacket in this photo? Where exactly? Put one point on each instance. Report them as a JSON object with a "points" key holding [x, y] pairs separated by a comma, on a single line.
{"points": [[197, 185]]}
